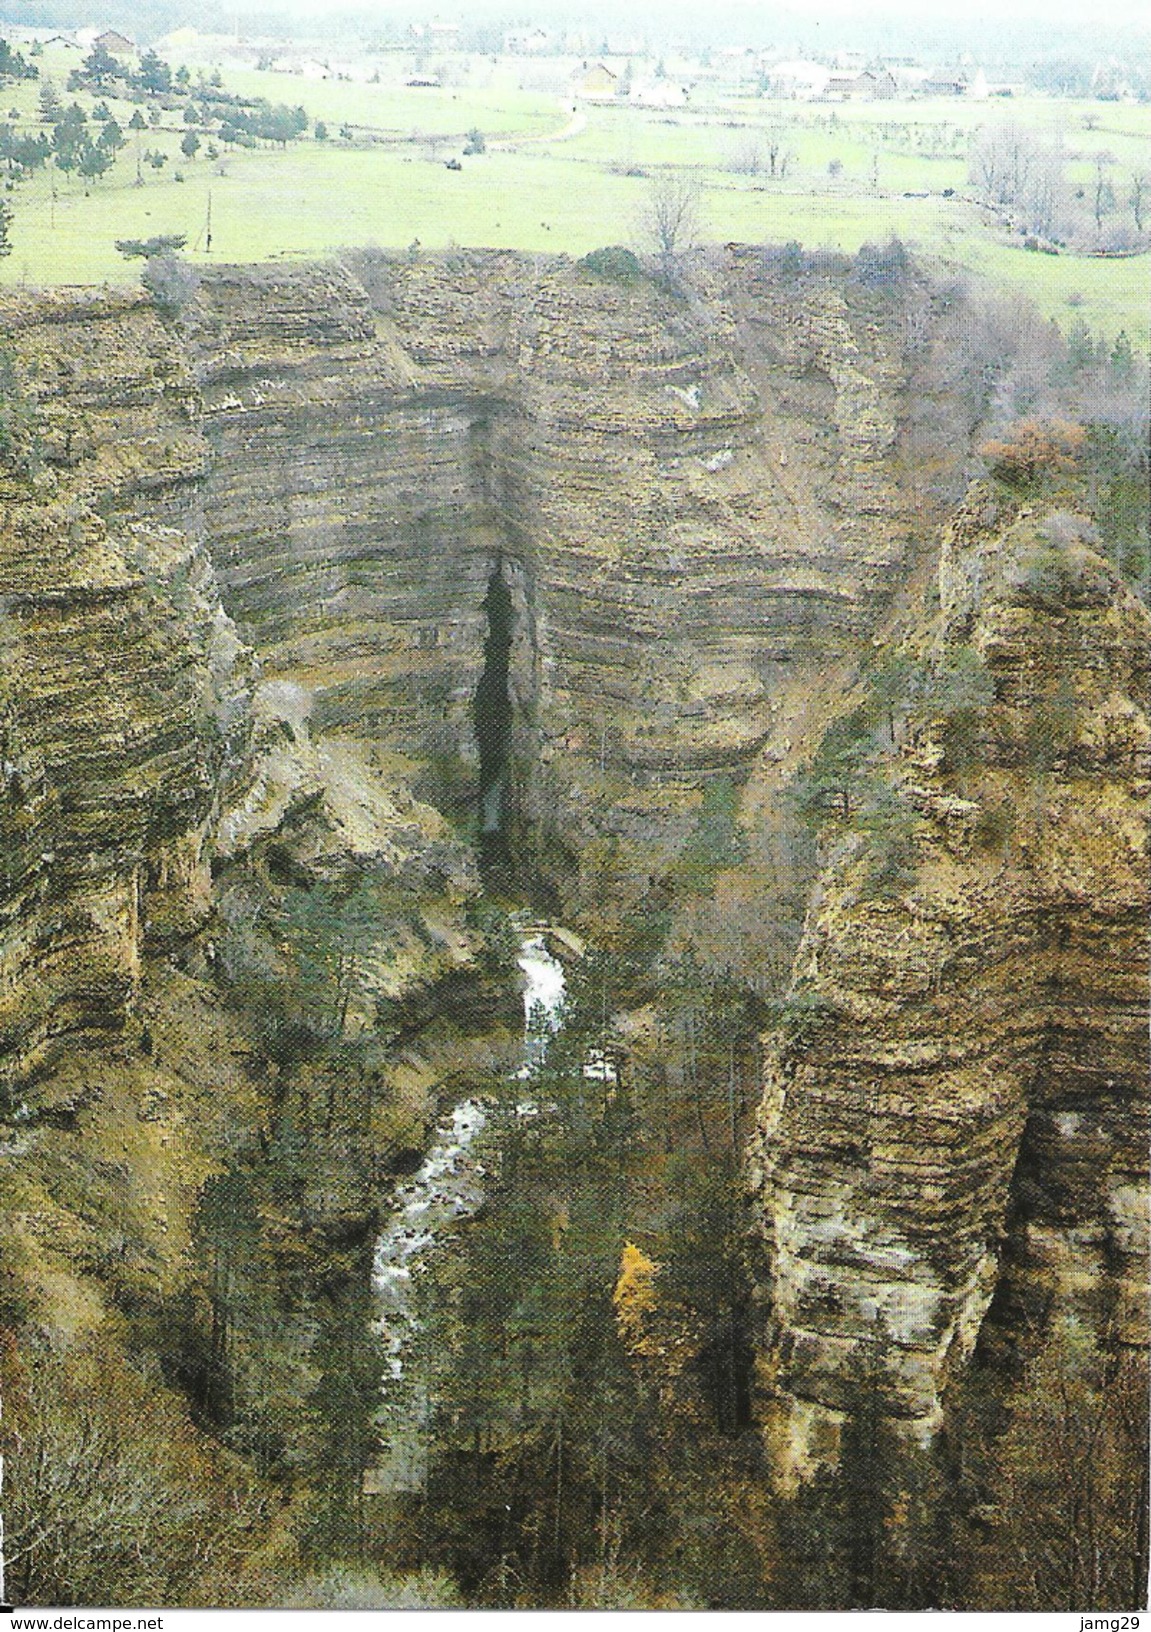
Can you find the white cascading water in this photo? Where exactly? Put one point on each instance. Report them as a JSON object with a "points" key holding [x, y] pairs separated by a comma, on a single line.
{"points": [[543, 998], [446, 1189]]}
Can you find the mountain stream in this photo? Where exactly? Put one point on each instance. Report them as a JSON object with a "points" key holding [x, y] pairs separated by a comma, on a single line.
{"points": [[447, 1189]]}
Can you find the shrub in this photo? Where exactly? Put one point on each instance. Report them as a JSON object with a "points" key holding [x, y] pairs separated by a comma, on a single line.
{"points": [[891, 854], [837, 779], [1054, 577], [614, 263], [346, 1586], [113, 1496], [19, 446], [1063, 528], [147, 248], [882, 266], [994, 825], [171, 282], [959, 692], [801, 1014], [787, 260]]}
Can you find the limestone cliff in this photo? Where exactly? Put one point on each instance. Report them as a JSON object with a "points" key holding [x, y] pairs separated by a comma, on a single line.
{"points": [[140, 741], [164, 809], [957, 1112], [689, 500], [121, 677]]}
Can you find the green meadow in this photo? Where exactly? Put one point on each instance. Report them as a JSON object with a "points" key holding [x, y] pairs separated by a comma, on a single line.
{"points": [[550, 183]]}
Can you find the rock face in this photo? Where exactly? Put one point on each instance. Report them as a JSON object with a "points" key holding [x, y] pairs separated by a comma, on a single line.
{"points": [[318, 472], [121, 675], [687, 500], [960, 1111]]}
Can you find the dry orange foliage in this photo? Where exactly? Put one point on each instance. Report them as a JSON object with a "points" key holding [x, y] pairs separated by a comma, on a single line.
{"points": [[1034, 447]]}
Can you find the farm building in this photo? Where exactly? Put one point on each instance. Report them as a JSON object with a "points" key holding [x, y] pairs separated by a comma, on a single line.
{"points": [[859, 85], [597, 84], [944, 84], [115, 42]]}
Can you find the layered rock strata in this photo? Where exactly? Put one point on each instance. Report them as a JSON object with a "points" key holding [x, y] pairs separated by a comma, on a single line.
{"points": [[245, 567], [138, 742], [962, 1100], [687, 497], [121, 679]]}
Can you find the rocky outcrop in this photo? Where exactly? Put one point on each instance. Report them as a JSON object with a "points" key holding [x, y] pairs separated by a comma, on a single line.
{"points": [[956, 1109], [138, 743], [177, 846]]}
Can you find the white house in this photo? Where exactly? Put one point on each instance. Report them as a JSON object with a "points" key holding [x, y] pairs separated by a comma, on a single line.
{"points": [[798, 81], [658, 93]]}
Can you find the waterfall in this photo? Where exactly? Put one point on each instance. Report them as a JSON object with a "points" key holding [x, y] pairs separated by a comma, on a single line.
{"points": [[446, 1190], [543, 999]]}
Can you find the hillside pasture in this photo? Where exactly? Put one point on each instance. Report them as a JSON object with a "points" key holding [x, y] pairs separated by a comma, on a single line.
{"points": [[547, 182]]}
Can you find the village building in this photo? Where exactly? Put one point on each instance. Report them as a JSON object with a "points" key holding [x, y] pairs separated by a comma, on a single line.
{"points": [[853, 84], [877, 85], [797, 81], [944, 84], [526, 42], [842, 86], [597, 84], [119, 45]]}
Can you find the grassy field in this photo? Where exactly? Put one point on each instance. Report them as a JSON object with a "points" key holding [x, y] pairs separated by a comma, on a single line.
{"points": [[854, 173]]}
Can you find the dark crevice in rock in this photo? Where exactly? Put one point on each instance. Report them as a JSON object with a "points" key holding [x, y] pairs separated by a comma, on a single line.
{"points": [[492, 713]]}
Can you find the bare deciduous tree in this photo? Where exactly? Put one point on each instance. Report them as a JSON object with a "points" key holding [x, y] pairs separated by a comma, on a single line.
{"points": [[779, 155], [1102, 193], [1069, 1478], [1013, 169], [670, 217], [117, 1499], [746, 158]]}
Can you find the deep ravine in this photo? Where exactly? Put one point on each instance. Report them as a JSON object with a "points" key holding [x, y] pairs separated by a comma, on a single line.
{"points": [[446, 1189]]}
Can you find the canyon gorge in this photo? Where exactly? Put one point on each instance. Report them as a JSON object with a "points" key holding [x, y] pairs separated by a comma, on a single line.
{"points": [[343, 601]]}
